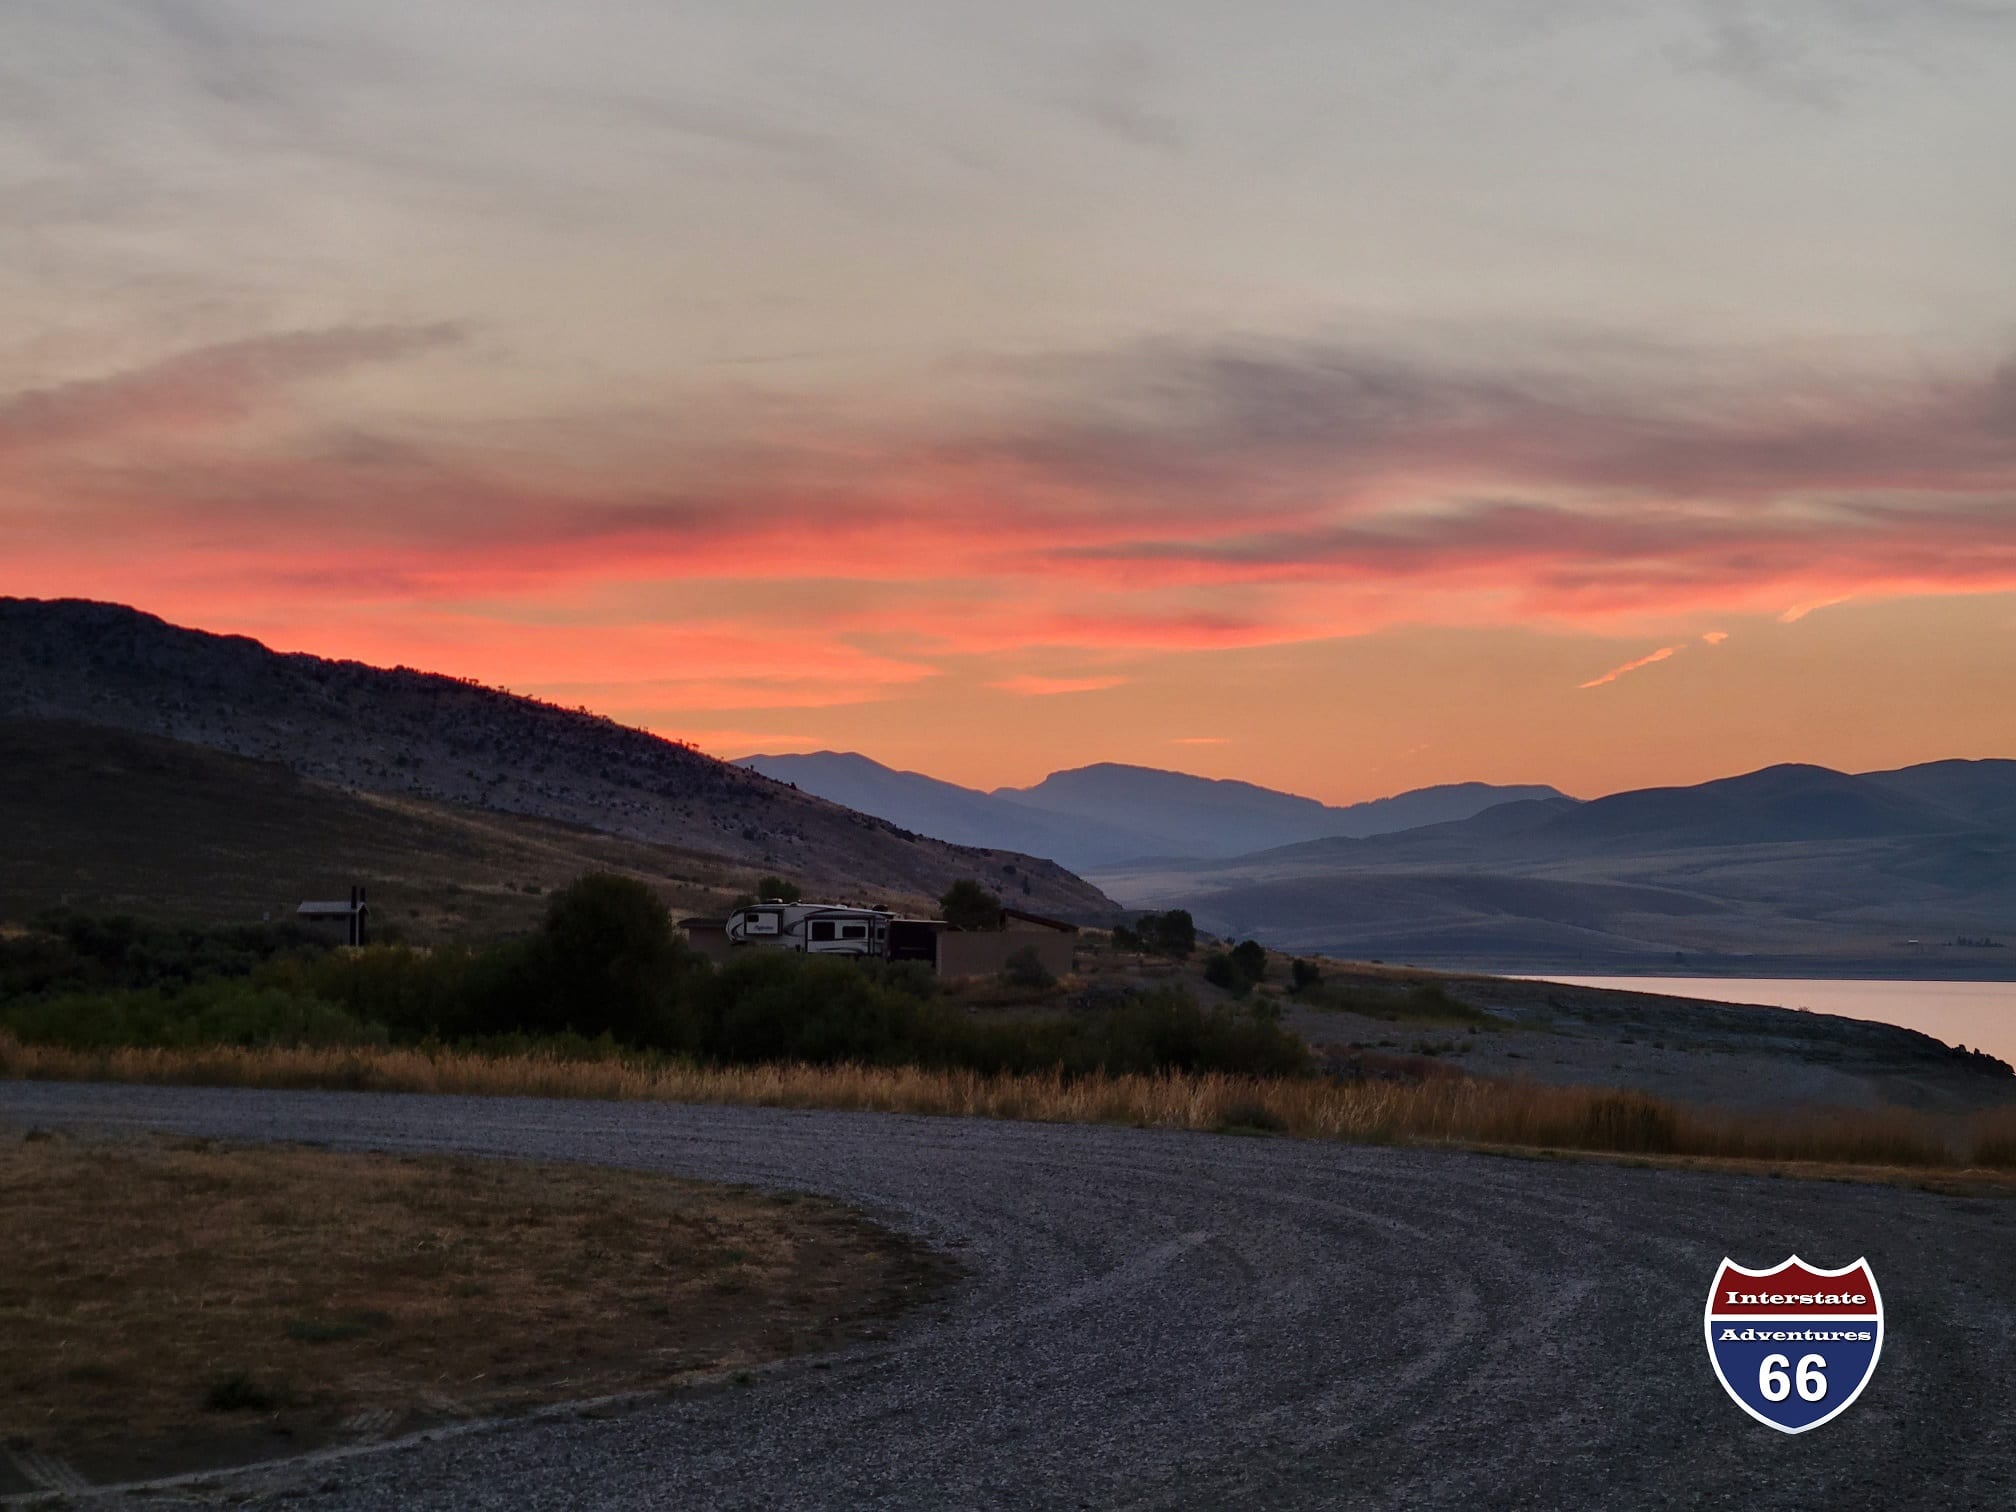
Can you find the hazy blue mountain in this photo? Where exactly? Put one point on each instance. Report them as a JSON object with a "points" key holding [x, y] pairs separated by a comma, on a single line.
{"points": [[946, 811], [1204, 816], [1982, 792], [1105, 814], [1796, 864]]}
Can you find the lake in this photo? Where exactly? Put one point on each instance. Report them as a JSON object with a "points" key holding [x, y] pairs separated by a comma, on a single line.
{"points": [[1980, 1015]]}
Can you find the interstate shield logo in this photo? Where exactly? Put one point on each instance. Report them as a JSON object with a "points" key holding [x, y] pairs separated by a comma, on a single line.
{"points": [[1794, 1345]]}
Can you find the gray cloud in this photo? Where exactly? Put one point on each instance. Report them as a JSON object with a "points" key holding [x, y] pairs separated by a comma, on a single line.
{"points": [[208, 384]]}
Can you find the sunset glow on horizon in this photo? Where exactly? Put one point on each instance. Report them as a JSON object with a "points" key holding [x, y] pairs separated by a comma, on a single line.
{"points": [[1340, 398]]}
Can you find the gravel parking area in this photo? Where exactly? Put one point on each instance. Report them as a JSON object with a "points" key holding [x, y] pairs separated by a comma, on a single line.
{"points": [[1173, 1320]]}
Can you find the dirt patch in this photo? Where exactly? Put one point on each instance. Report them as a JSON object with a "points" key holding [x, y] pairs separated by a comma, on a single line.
{"points": [[169, 1306]]}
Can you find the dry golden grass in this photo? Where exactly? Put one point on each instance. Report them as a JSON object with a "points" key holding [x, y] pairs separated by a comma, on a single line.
{"points": [[168, 1303], [1449, 1110]]}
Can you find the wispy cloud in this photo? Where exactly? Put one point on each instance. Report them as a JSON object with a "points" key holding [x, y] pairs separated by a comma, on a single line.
{"points": [[1030, 685], [1632, 666], [1714, 637], [1201, 740], [1798, 612], [1157, 500], [211, 385]]}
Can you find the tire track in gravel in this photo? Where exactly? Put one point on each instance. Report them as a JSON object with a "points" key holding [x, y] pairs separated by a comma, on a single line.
{"points": [[1173, 1320]]}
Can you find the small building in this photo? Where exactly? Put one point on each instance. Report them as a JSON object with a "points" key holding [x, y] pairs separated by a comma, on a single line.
{"points": [[708, 937], [985, 952], [352, 915]]}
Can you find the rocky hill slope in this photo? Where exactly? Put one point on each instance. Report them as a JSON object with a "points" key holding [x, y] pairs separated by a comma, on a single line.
{"points": [[407, 732]]}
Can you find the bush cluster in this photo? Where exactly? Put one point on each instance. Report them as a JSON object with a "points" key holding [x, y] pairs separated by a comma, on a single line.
{"points": [[71, 952], [1173, 934], [606, 972], [1239, 969]]}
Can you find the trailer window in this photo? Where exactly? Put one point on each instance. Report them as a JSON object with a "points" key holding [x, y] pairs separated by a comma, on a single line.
{"points": [[853, 931], [822, 931]]}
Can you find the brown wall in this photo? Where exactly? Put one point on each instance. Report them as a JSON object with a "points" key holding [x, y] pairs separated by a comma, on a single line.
{"points": [[985, 952], [711, 943]]}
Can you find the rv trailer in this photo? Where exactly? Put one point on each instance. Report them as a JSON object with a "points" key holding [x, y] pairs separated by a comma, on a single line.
{"points": [[813, 928]]}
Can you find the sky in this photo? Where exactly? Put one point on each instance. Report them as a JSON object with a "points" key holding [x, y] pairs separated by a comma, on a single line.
{"points": [[1343, 396]]}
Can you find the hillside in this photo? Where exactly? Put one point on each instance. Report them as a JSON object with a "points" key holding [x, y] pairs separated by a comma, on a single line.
{"points": [[1109, 813], [107, 822], [1796, 865], [446, 742]]}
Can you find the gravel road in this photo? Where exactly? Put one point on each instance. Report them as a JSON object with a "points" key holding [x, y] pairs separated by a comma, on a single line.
{"points": [[1173, 1320]]}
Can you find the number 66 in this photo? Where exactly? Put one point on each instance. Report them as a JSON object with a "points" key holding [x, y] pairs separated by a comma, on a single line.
{"points": [[1774, 1384]]}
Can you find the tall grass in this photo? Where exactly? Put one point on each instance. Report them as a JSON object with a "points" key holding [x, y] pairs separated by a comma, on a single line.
{"points": [[1446, 1110]]}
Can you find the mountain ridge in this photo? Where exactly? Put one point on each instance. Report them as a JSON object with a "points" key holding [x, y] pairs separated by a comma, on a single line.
{"points": [[1110, 812], [1791, 861], [448, 740]]}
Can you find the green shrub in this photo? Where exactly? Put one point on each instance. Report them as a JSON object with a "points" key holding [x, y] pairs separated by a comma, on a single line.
{"points": [[1220, 970], [1025, 968], [1303, 975], [69, 952], [1173, 933], [223, 1012], [780, 1005], [968, 905]]}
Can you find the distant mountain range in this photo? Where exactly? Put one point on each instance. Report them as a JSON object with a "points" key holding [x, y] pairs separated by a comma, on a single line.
{"points": [[1786, 864], [162, 769], [448, 743], [1106, 814]]}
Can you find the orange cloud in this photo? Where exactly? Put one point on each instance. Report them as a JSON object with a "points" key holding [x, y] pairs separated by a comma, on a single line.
{"points": [[1169, 500]]}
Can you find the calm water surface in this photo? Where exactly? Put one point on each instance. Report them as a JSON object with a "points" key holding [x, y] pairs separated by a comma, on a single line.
{"points": [[1980, 1015]]}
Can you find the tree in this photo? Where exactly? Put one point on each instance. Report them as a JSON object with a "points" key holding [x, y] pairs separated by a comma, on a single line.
{"points": [[1172, 933], [776, 889], [968, 905], [1221, 971], [1250, 956], [607, 961], [1302, 975]]}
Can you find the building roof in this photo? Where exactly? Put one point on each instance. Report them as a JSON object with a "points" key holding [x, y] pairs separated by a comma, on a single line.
{"points": [[336, 909], [1047, 923]]}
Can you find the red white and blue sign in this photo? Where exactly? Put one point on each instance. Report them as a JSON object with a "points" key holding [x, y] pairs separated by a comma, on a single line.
{"points": [[1794, 1345]]}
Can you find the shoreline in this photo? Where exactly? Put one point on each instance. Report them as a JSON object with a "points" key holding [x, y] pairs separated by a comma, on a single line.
{"points": [[1737, 968]]}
